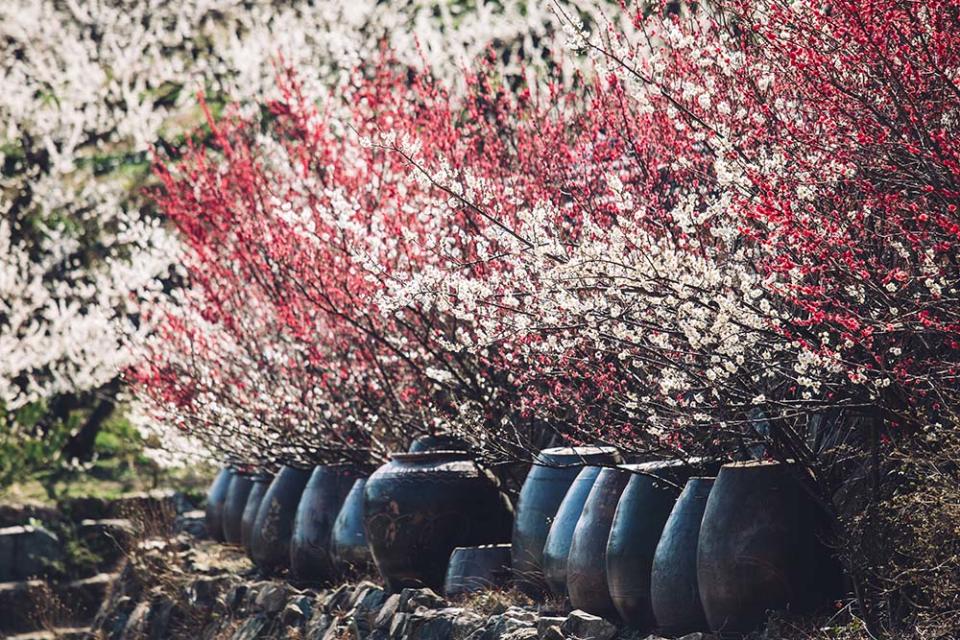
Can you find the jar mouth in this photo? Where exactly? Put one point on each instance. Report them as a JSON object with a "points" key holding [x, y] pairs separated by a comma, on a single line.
{"points": [[654, 465], [586, 454], [753, 464], [432, 456]]}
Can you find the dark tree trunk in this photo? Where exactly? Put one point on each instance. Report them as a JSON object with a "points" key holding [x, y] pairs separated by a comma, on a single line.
{"points": [[80, 445]]}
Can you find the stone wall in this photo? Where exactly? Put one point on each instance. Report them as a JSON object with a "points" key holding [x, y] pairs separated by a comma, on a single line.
{"points": [[186, 588]]}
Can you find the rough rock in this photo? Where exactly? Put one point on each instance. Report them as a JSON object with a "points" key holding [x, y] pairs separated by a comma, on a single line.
{"points": [[205, 591], [588, 627], [108, 539], [236, 597], [698, 636], [528, 633], [545, 622], [398, 626], [150, 620], [84, 597], [413, 599], [367, 605], [466, 624], [499, 626], [273, 597], [519, 613], [318, 625], [192, 523], [297, 611], [338, 599], [550, 632], [387, 611], [361, 590], [26, 551], [17, 605], [431, 624], [251, 628]]}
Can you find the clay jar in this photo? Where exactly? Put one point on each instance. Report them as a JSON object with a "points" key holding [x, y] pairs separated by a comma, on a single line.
{"points": [[439, 442], [476, 569], [310, 551], [233, 506], [544, 489], [420, 506], [759, 547], [216, 496], [348, 544], [270, 547], [586, 562], [260, 485], [643, 509], [674, 591], [557, 546]]}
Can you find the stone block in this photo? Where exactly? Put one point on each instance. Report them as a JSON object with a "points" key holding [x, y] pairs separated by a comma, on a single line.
{"points": [[18, 602], [545, 622], [273, 597], [413, 599], [193, 523], [26, 551], [109, 539], [387, 611], [586, 626]]}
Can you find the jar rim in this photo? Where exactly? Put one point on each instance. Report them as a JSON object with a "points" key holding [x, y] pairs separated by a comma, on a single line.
{"points": [[433, 455]]}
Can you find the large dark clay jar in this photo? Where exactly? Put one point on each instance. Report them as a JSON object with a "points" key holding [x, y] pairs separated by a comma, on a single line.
{"points": [[420, 506], [759, 548], [233, 506], [586, 563], [674, 593], [643, 509], [270, 548], [551, 475], [439, 442], [557, 546], [477, 569], [216, 496], [260, 485], [348, 542], [310, 552]]}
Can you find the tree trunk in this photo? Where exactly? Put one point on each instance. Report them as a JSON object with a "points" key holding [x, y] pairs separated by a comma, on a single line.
{"points": [[80, 445]]}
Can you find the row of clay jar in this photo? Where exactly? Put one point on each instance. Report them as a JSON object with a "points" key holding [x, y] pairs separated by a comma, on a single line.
{"points": [[653, 545], [672, 545]]}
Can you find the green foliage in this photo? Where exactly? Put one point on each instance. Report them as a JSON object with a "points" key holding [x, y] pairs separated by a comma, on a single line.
{"points": [[119, 439], [31, 444], [28, 443]]}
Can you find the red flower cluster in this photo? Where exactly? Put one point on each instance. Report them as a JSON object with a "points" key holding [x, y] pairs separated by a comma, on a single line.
{"points": [[752, 210]]}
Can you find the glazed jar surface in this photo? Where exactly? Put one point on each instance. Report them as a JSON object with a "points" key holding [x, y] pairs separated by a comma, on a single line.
{"points": [[233, 506], [311, 556], [586, 562], [420, 506], [351, 554], [544, 489], [216, 496], [556, 548], [260, 485], [674, 591], [270, 545], [641, 513], [759, 547], [477, 569]]}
